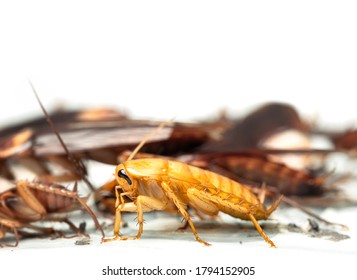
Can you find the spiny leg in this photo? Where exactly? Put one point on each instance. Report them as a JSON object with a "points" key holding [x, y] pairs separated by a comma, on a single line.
{"points": [[141, 205], [139, 210], [182, 210], [119, 205], [205, 199], [260, 230]]}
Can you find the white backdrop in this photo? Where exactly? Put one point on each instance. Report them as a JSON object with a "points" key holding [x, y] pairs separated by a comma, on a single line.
{"points": [[183, 59]]}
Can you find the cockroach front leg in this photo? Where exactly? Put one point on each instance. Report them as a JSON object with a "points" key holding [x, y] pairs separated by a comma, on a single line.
{"points": [[141, 205], [119, 205]]}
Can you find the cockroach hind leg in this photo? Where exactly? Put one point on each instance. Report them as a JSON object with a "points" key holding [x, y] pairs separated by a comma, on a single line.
{"points": [[261, 232], [171, 195], [202, 241]]}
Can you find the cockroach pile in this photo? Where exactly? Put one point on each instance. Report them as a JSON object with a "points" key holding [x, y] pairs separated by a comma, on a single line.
{"points": [[187, 169]]}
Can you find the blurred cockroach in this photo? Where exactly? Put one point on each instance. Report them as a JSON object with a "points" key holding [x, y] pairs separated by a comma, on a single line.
{"points": [[106, 135], [29, 202], [159, 184], [106, 132], [251, 131]]}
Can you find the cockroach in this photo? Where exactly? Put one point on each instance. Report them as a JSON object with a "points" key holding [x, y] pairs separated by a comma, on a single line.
{"points": [[29, 202], [106, 131], [160, 184], [251, 131], [266, 175], [107, 135]]}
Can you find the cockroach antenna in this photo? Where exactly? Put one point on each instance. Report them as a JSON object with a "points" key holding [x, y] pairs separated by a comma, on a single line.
{"points": [[147, 137], [78, 164]]}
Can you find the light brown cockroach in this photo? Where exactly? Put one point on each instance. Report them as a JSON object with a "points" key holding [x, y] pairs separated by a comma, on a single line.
{"points": [[161, 184], [29, 202], [254, 171]]}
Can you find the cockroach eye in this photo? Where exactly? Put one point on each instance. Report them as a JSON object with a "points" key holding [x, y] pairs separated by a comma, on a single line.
{"points": [[122, 174]]}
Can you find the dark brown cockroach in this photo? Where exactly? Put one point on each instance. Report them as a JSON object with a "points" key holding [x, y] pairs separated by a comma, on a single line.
{"points": [[29, 202], [106, 133], [252, 130]]}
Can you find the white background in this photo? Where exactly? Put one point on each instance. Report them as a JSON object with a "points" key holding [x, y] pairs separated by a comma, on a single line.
{"points": [[183, 59], [186, 59]]}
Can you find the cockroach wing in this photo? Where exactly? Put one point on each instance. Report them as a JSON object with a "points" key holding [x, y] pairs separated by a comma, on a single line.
{"points": [[91, 139]]}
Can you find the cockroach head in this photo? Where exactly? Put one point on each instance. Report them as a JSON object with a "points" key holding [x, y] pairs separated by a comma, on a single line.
{"points": [[121, 175]]}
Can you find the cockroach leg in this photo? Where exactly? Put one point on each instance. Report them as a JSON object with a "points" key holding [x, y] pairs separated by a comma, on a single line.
{"points": [[170, 194], [142, 204], [41, 232], [117, 221], [72, 226], [13, 225], [260, 230]]}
